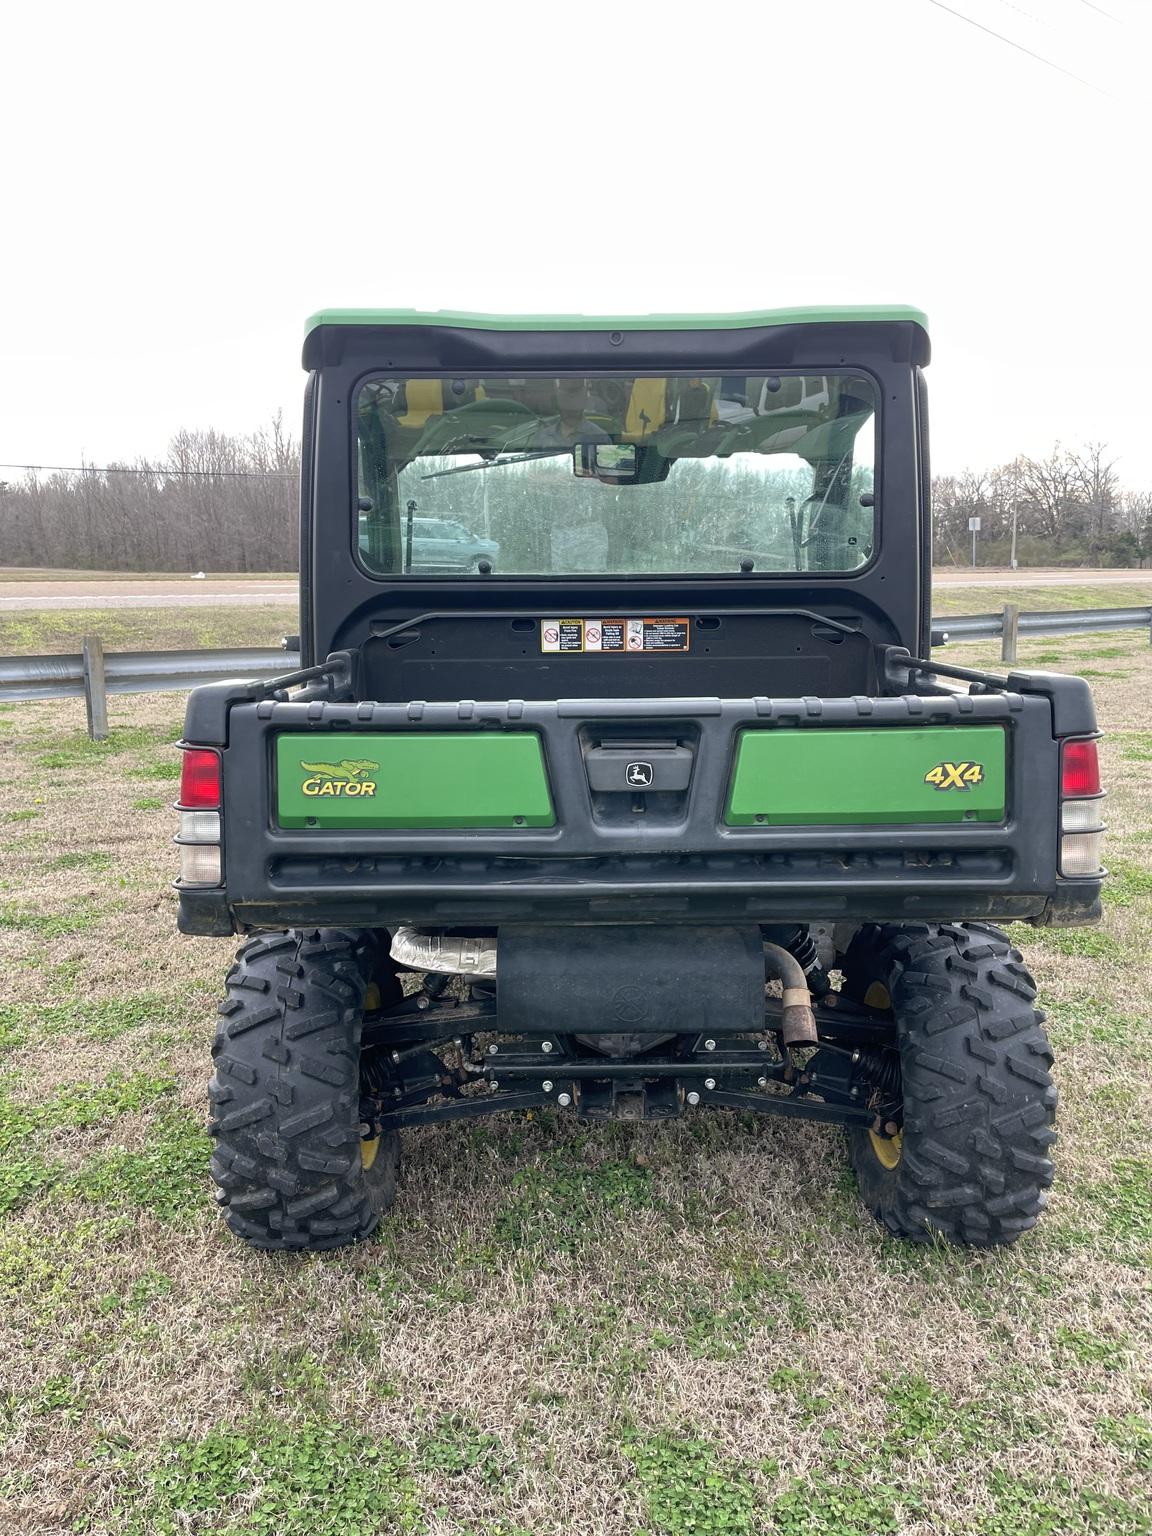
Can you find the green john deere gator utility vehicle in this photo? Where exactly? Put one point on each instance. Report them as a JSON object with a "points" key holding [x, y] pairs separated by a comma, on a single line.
{"points": [[617, 776]]}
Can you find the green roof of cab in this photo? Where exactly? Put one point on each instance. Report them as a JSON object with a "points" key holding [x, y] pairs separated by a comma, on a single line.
{"points": [[836, 314]]}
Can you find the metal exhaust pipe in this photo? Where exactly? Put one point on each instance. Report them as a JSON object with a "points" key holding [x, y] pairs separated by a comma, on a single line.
{"points": [[799, 1022]]}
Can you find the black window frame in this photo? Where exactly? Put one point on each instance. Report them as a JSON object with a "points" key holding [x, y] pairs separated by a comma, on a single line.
{"points": [[465, 579]]}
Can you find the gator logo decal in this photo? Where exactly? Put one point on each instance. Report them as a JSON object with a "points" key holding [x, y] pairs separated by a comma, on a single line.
{"points": [[346, 778], [955, 775]]}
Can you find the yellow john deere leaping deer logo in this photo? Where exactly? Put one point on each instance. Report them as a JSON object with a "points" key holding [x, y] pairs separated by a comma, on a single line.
{"points": [[346, 778], [955, 775]]}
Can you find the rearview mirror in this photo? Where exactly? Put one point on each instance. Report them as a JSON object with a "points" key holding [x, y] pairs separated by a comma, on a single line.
{"points": [[607, 461]]}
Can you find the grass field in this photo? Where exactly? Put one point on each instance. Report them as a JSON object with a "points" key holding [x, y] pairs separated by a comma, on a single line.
{"points": [[683, 1330], [959, 599], [37, 631]]}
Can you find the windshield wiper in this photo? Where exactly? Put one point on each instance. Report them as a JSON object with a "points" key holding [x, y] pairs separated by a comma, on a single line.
{"points": [[523, 458]]}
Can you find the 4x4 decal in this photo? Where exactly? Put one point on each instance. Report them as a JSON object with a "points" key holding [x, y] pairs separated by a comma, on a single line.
{"points": [[955, 775], [344, 778]]}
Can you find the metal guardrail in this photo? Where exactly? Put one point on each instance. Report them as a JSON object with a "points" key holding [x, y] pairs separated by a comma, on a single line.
{"points": [[61, 677], [93, 674], [1066, 621]]}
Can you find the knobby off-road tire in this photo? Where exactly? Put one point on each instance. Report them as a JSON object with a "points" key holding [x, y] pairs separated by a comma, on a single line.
{"points": [[285, 1096], [972, 1163]]}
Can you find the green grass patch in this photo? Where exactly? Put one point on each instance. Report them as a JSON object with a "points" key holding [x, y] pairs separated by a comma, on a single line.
{"points": [[52, 631], [1127, 884], [719, 1327], [28, 815], [150, 803], [455, 1447], [94, 861], [157, 768], [24, 1174], [34, 1279], [82, 1105], [293, 1375], [77, 750], [841, 1502], [556, 1201], [949, 597], [59, 1273], [153, 1285], [1136, 746], [56, 1395], [1092, 1349], [923, 1418], [1131, 1434], [168, 1177], [100, 1019], [1085, 943], [317, 1478], [1090, 1021], [13, 1034], [689, 1488], [49, 925], [1125, 1202], [24, 1170], [1056, 1507]]}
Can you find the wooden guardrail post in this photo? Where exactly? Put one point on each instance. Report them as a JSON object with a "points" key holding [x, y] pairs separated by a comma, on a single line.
{"points": [[95, 688], [1009, 631]]}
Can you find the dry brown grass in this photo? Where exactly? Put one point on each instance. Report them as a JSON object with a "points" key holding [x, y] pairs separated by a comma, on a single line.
{"points": [[559, 1326]]}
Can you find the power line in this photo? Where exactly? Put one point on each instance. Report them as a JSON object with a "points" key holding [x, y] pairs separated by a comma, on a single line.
{"points": [[1020, 11], [1099, 9], [160, 473], [1039, 57]]}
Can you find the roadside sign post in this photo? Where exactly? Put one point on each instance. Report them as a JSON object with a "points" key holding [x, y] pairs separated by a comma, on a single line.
{"points": [[973, 529]]}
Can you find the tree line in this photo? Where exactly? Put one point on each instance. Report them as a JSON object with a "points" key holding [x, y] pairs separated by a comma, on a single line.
{"points": [[1069, 508], [220, 502], [214, 502]]}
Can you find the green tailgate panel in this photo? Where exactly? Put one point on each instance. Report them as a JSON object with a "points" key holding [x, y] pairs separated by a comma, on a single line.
{"points": [[412, 779], [839, 777]]}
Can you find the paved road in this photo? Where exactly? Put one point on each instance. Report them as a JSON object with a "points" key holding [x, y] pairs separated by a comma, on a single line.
{"points": [[1033, 578], [182, 592], [174, 593]]}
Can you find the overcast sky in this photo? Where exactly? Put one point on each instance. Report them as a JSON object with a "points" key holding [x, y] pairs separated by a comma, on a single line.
{"points": [[183, 185]]}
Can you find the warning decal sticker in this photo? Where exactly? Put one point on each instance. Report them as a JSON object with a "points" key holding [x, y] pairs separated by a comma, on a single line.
{"points": [[562, 635], [622, 635]]}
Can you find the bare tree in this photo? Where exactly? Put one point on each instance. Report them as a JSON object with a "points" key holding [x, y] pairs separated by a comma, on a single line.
{"points": [[1099, 486], [1050, 494], [214, 502]]}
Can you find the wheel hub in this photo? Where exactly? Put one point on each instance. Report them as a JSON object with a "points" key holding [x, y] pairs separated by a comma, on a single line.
{"points": [[888, 1149]]}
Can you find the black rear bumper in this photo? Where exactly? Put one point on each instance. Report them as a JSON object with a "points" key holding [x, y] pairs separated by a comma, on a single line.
{"points": [[682, 865]]}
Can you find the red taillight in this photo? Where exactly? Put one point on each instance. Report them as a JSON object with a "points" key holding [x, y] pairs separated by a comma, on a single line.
{"points": [[1080, 769], [200, 779]]}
